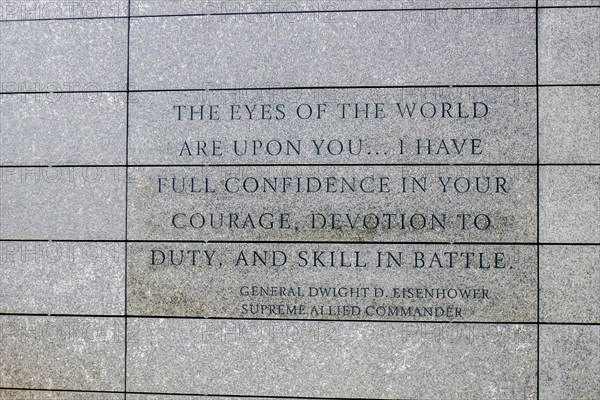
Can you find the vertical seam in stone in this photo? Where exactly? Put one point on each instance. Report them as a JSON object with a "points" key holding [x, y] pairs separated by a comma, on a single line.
{"points": [[537, 128], [126, 196]]}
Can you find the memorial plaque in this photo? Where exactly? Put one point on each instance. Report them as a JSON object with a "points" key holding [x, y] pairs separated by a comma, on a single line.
{"points": [[378, 199]]}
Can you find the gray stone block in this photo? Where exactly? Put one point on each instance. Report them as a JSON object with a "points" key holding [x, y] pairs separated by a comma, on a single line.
{"points": [[62, 203], [355, 49], [61, 128], [57, 395], [569, 125], [570, 204], [570, 284], [567, 3], [569, 45], [310, 359], [569, 362], [52, 56], [62, 278], [178, 7], [203, 397], [16, 10], [62, 353]]}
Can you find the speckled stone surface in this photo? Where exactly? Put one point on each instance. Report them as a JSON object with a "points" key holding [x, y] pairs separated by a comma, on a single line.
{"points": [[570, 284], [183, 397], [57, 395], [51, 56], [569, 45], [363, 283], [62, 128], [175, 7], [62, 353], [261, 358], [15, 10], [569, 362], [545, 3], [192, 325], [496, 125], [180, 397], [62, 278], [569, 124], [353, 50], [62, 203], [156, 211], [570, 199]]}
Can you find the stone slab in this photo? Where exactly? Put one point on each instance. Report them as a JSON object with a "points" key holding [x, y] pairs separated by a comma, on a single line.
{"points": [[421, 125], [69, 56], [62, 353], [569, 124], [18, 10], [365, 48], [77, 203], [569, 362], [56, 395], [178, 7], [61, 128], [183, 397], [569, 204], [569, 46], [567, 3], [507, 213], [284, 358], [332, 282], [62, 278], [570, 284]]}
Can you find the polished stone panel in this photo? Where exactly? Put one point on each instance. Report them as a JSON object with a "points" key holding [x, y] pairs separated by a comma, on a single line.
{"points": [[319, 359], [76, 203], [63, 128], [62, 278], [569, 45], [62, 353], [569, 204], [79, 55], [569, 362], [568, 3], [178, 7], [569, 124], [18, 10], [57, 395], [570, 284], [356, 49]]}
